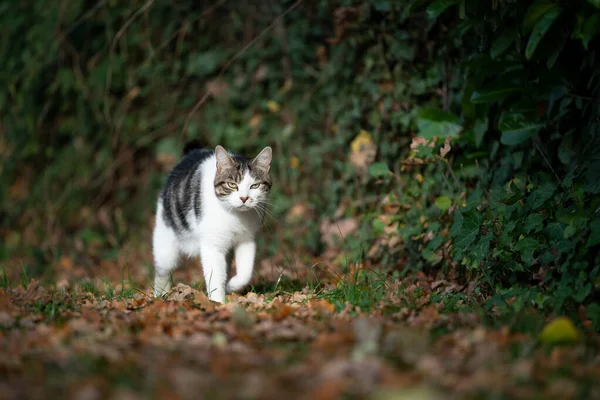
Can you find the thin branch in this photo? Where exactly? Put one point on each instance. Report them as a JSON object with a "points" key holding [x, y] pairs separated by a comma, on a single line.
{"points": [[232, 60], [173, 35], [111, 53], [537, 146]]}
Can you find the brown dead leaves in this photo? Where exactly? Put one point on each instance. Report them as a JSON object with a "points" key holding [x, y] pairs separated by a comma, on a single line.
{"points": [[269, 346]]}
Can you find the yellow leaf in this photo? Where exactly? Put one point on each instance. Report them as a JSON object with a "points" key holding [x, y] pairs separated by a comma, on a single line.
{"points": [[294, 162], [419, 178], [363, 138], [273, 106], [255, 120], [286, 86], [560, 330]]}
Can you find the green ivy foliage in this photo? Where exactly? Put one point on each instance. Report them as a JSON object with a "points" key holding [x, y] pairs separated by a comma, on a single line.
{"points": [[96, 96]]}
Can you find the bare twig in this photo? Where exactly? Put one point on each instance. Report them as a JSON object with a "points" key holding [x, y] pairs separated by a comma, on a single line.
{"points": [[173, 35], [232, 60], [111, 53], [537, 146]]}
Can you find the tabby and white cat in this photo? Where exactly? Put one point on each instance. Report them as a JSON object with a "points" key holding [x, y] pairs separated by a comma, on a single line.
{"points": [[213, 202]]}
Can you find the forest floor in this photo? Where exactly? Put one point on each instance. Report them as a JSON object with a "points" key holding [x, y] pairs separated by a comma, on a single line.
{"points": [[350, 336]]}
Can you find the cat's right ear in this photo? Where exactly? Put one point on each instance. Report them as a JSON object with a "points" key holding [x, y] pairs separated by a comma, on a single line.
{"points": [[224, 160]]}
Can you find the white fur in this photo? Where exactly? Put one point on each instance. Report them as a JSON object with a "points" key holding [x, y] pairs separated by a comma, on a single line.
{"points": [[224, 225]]}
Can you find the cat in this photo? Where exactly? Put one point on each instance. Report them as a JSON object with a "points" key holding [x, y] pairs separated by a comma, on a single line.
{"points": [[213, 202]]}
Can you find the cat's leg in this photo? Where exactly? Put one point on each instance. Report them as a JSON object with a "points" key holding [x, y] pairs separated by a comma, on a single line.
{"points": [[244, 264], [166, 254], [214, 266]]}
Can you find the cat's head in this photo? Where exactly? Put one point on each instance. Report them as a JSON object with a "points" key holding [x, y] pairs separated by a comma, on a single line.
{"points": [[243, 183]]}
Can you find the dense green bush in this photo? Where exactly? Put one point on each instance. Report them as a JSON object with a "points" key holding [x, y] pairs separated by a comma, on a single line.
{"points": [[98, 100]]}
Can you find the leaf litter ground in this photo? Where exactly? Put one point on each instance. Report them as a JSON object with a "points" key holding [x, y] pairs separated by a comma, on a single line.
{"points": [[358, 335]]}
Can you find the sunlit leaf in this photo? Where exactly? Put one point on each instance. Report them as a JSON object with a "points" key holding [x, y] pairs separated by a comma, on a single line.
{"points": [[379, 169], [443, 203], [560, 330], [518, 126], [494, 92], [435, 122]]}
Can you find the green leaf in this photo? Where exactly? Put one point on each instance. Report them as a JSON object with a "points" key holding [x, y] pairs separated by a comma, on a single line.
{"points": [[535, 11], [378, 225], [436, 8], [554, 230], [594, 237], [540, 195], [589, 30], [431, 257], [493, 93], [443, 203], [379, 169], [435, 122], [468, 231], [592, 178], [518, 126], [480, 128], [541, 27], [503, 42], [526, 247], [534, 222], [595, 3], [481, 250]]}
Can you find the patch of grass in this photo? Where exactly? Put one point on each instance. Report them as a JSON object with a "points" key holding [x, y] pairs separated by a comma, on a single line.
{"points": [[53, 310], [84, 286], [362, 288], [5, 282]]}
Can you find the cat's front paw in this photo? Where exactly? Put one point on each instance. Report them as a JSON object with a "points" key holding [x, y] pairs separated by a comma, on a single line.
{"points": [[236, 283]]}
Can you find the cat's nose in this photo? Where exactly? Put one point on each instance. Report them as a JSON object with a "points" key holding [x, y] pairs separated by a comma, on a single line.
{"points": [[243, 199]]}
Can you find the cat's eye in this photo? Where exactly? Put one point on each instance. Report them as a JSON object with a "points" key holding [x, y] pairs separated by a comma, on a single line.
{"points": [[231, 185], [255, 186]]}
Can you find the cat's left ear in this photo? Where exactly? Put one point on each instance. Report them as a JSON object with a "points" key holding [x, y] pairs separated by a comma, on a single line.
{"points": [[263, 159]]}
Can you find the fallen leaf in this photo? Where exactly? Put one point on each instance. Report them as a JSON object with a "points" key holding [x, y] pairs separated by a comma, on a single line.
{"points": [[559, 330]]}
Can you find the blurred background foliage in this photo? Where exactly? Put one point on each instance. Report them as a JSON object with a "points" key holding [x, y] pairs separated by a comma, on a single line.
{"points": [[457, 137]]}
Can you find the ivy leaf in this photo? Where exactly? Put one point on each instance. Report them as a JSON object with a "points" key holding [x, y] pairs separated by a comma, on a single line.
{"points": [[594, 237], [379, 169], [468, 231], [593, 178], [503, 42], [534, 222], [493, 93], [518, 126], [554, 230], [540, 195], [481, 250], [443, 203], [436, 8], [540, 29], [526, 247], [435, 122]]}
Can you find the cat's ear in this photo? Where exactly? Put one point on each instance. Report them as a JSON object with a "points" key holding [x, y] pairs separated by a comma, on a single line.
{"points": [[224, 160], [263, 159]]}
